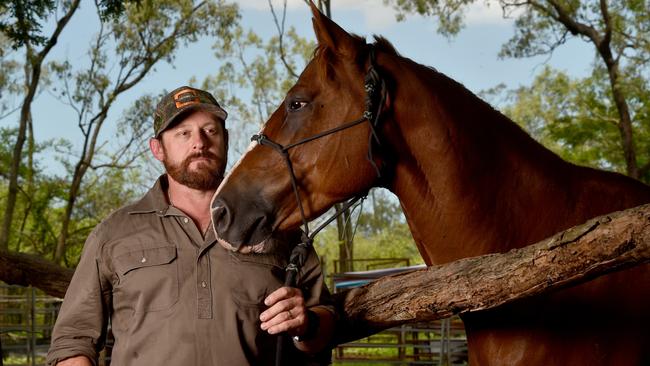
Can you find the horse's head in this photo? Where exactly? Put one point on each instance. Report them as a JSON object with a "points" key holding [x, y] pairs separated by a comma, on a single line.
{"points": [[257, 198]]}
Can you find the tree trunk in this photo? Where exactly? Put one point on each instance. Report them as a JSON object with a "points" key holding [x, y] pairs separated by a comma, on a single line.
{"points": [[346, 243], [625, 120], [73, 192], [12, 194], [602, 245]]}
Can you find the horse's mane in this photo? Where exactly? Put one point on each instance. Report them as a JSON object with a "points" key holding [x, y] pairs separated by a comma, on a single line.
{"points": [[383, 45], [327, 57]]}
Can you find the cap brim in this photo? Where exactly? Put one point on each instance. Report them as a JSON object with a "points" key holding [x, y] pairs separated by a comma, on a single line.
{"points": [[211, 108]]}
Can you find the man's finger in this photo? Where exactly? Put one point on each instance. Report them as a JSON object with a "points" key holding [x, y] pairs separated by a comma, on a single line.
{"points": [[284, 316], [285, 326], [281, 293], [295, 304]]}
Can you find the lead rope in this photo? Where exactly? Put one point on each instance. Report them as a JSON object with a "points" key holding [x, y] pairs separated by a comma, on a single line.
{"points": [[375, 88]]}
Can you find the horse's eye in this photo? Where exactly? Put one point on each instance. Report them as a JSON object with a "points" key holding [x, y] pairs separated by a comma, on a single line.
{"points": [[296, 105]]}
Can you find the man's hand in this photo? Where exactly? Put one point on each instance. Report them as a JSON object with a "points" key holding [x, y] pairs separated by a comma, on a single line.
{"points": [[75, 361], [286, 312]]}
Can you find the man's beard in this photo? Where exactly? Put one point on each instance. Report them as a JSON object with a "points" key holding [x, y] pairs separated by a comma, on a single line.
{"points": [[204, 177]]}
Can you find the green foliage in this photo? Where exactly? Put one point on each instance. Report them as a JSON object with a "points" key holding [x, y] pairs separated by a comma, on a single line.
{"points": [[41, 207], [20, 20], [33, 219], [538, 31], [8, 135], [382, 210], [449, 13], [9, 78]]}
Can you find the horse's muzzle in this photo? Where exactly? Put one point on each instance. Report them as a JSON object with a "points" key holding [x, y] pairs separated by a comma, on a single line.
{"points": [[240, 221]]}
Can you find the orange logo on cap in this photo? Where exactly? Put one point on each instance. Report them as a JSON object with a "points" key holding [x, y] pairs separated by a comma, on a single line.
{"points": [[186, 97]]}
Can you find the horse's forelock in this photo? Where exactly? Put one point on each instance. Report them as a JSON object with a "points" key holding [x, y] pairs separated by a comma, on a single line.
{"points": [[327, 57]]}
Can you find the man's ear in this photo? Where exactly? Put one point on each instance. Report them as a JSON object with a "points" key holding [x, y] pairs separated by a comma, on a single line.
{"points": [[155, 145]]}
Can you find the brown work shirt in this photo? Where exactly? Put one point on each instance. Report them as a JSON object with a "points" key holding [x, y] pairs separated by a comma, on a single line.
{"points": [[173, 296]]}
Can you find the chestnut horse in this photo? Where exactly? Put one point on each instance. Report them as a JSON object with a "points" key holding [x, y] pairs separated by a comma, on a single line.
{"points": [[470, 182]]}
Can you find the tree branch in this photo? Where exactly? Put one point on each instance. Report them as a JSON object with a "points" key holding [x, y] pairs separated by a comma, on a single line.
{"points": [[280, 29], [575, 27], [60, 25], [29, 270]]}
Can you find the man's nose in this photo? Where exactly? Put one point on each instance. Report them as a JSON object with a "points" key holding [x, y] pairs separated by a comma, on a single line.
{"points": [[199, 140]]}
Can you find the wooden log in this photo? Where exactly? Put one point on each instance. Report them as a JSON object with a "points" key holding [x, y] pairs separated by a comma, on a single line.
{"points": [[30, 270], [602, 245]]}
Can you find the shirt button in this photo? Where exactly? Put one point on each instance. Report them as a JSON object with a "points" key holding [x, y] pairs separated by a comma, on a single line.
{"points": [[203, 284], [143, 259], [186, 220]]}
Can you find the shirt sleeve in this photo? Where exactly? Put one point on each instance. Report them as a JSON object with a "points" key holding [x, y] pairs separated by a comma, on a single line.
{"points": [[80, 328]]}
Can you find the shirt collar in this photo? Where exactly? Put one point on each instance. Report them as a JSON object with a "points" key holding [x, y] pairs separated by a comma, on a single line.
{"points": [[155, 200]]}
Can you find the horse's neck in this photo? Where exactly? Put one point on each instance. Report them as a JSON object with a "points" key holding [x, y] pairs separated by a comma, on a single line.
{"points": [[466, 174]]}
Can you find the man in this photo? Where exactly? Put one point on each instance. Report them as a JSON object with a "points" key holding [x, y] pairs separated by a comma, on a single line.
{"points": [[172, 294]]}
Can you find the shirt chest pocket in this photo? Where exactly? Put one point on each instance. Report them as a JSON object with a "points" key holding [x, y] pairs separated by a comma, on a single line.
{"points": [[148, 279], [254, 277]]}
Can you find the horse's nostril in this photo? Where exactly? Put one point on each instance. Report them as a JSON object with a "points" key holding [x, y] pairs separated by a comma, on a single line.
{"points": [[240, 221], [220, 216]]}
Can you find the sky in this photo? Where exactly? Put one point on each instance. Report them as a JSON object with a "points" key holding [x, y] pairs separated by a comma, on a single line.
{"points": [[470, 58]]}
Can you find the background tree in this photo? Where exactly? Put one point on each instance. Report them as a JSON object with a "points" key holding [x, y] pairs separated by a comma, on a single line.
{"points": [[21, 25], [619, 33], [149, 32], [52, 213]]}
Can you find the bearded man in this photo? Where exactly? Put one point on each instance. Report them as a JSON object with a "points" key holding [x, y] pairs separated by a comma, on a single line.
{"points": [[172, 295]]}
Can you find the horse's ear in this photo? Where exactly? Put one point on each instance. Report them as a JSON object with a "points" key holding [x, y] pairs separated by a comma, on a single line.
{"points": [[330, 35]]}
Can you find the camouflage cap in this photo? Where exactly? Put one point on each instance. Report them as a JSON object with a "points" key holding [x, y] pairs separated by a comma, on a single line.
{"points": [[181, 100]]}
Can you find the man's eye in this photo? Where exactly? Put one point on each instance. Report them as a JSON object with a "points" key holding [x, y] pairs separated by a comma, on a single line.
{"points": [[296, 105]]}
